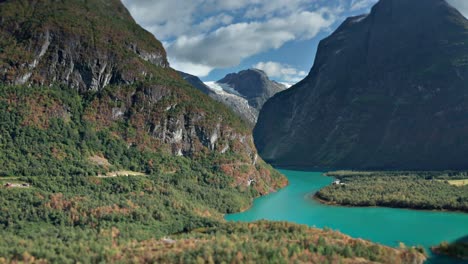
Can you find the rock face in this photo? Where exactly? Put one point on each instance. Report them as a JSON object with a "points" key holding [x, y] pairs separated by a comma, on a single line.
{"points": [[388, 90], [238, 105], [86, 51], [244, 92], [127, 87]]}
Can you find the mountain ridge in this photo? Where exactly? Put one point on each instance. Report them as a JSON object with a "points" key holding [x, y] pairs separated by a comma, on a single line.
{"points": [[254, 84], [365, 102]]}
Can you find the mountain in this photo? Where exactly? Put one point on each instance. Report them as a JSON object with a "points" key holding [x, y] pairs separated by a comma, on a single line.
{"points": [[225, 95], [86, 94], [122, 82], [387, 91], [40, 46], [85, 74], [254, 85], [244, 92], [106, 152]]}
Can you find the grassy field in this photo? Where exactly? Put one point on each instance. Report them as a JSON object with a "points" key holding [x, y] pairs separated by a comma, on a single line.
{"points": [[121, 173], [14, 180], [458, 182]]}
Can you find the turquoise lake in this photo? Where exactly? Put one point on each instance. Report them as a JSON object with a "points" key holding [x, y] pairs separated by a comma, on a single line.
{"points": [[387, 226]]}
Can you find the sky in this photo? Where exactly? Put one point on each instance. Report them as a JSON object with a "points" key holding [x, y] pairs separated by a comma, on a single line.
{"points": [[211, 38]]}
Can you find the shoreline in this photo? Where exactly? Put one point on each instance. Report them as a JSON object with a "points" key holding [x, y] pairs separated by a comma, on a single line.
{"points": [[246, 208], [325, 202], [307, 168], [437, 250], [315, 197]]}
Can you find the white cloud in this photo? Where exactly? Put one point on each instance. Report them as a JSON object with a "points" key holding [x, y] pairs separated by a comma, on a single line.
{"points": [[199, 70], [362, 4], [229, 45], [211, 22], [164, 18], [172, 18], [221, 5], [201, 35], [461, 5], [284, 73], [288, 85], [276, 7]]}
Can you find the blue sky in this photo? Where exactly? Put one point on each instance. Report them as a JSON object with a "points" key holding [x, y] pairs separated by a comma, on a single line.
{"points": [[210, 38]]}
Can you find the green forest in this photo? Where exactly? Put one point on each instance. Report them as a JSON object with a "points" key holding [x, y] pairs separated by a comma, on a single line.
{"points": [[49, 131], [159, 218], [416, 190], [67, 212]]}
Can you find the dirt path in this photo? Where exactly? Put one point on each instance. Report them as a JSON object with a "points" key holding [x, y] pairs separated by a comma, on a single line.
{"points": [[122, 173]]}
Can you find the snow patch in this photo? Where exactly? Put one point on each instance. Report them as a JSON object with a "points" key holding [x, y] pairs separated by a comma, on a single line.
{"points": [[222, 87], [239, 104], [359, 19]]}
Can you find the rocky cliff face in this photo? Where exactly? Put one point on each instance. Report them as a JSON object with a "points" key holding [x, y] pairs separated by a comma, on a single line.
{"points": [[238, 105], [387, 91], [98, 45], [128, 88]]}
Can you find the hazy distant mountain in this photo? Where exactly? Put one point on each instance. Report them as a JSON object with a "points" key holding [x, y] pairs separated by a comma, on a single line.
{"points": [[244, 92], [387, 90], [254, 85]]}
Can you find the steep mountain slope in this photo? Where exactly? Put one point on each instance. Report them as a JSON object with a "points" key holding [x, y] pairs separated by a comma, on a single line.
{"points": [[116, 86], [85, 45], [387, 90], [236, 103]]}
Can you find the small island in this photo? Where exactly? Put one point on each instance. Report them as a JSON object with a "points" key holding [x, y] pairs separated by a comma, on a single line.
{"points": [[414, 190]]}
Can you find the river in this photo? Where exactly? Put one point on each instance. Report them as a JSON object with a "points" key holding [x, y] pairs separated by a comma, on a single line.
{"points": [[388, 226]]}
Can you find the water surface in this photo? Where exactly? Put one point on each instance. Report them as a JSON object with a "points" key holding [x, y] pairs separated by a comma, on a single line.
{"points": [[387, 226]]}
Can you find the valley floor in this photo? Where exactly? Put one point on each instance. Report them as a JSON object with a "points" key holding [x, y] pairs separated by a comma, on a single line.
{"points": [[413, 190]]}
